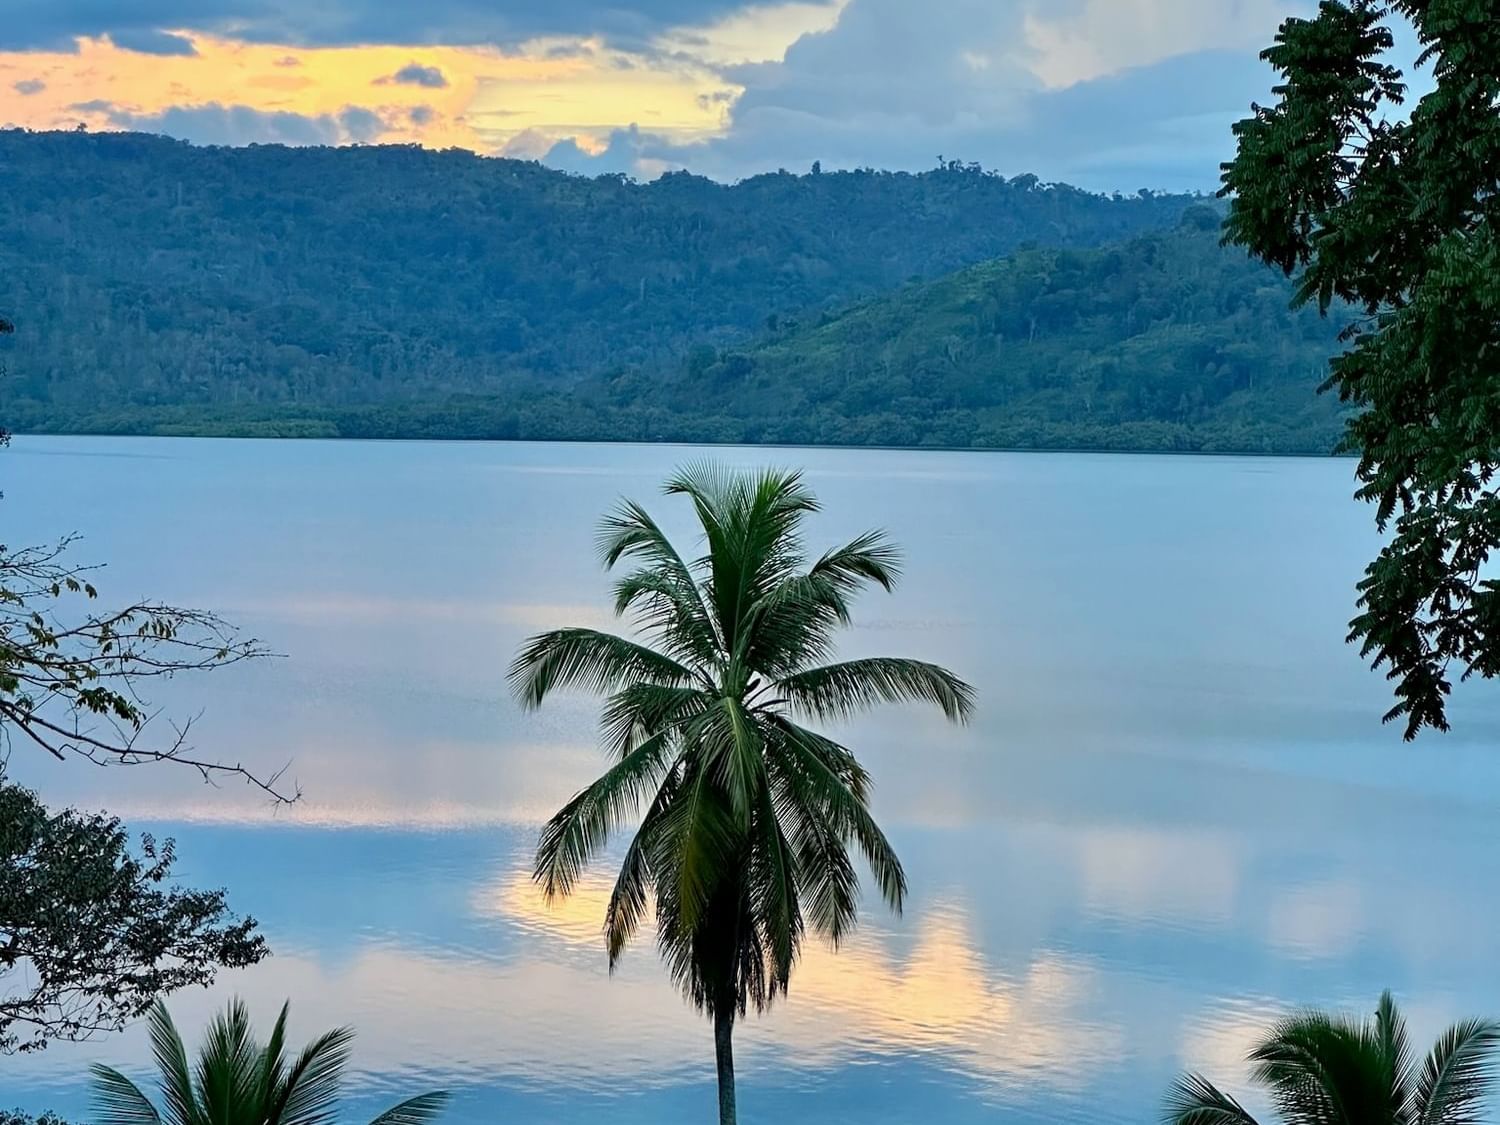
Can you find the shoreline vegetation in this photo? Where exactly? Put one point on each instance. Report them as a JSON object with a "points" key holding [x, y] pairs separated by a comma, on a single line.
{"points": [[672, 443]]}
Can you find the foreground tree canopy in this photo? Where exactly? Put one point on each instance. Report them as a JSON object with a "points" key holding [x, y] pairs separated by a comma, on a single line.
{"points": [[750, 817], [92, 932], [1397, 216]]}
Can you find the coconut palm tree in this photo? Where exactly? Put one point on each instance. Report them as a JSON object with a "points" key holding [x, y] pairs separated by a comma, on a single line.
{"points": [[237, 1081], [749, 816], [1328, 1070]]}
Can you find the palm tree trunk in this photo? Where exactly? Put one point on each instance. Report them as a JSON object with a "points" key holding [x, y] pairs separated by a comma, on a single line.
{"points": [[724, 1051]]}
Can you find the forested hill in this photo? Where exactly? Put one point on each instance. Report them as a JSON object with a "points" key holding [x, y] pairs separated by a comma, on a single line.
{"points": [[147, 276], [398, 292], [1169, 341]]}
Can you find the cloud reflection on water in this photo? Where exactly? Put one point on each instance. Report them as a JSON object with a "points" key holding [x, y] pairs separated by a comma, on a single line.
{"points": [[1174, 815]]}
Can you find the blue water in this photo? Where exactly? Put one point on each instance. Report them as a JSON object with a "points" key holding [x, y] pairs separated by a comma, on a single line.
{"points": [[1176, 815]]}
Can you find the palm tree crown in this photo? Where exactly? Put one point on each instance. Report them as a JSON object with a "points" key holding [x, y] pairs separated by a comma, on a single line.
{"points": [[749, 816], [1328, 1070], [238, 1081]]}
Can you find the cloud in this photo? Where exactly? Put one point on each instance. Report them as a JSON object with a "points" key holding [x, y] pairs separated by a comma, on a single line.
{"points": [[624, 152], [895, 84], [533, 144], [415, 74], [420, 115], [28, 86], [716, 98], [1106, 94], [147, 41], [627, 151], [56, 23], [360, 124], [216, 124]]}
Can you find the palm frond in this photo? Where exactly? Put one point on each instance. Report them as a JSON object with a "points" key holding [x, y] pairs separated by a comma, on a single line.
{"points": [[1458, 1075], [415, 1111], [170, 1055], [750, 526], [629, 532], [830, 756], [228, 1068], [588, 659], [640, 711], [1194, 1100], [869, 558], [583, 825], [732, 748], [310, 1092], [273, 1058], [669, 611], [628, 900], [792, 625], [1323, 1070], [1395, 1048], [827, 781], [837, 691], [695, 845], [118, 1100], [829, 884], [706, 481], [773, 877]]}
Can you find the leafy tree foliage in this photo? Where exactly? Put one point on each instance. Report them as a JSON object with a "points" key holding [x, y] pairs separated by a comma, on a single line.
{"points": [[1322, 1068], [91, 932], [253, 280], [1168, 341], [239, 1081], [16, 1117], [1397, 215], [749, 816]]}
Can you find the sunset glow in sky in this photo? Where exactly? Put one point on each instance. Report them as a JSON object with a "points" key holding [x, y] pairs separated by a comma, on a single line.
{"points": [[1110, 94]]}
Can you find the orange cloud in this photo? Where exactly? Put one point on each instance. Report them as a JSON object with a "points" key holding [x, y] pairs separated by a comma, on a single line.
{"points": [[486, 96]]}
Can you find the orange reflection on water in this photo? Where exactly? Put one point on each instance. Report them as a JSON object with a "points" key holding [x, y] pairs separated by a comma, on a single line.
{"points": [[940, 997]]}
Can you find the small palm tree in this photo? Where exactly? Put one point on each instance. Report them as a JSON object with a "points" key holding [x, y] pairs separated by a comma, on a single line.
{"points": [[1328, 1070], [749, 816], [237, 1081]]}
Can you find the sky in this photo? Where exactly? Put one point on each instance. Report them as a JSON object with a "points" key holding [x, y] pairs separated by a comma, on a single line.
{"points": [[1104, 94]]}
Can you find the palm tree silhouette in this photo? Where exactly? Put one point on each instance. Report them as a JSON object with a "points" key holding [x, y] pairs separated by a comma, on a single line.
{"points": [[749, 816]]}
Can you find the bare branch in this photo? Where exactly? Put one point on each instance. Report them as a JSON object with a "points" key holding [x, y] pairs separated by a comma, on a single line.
{"points": [[71, 684]]}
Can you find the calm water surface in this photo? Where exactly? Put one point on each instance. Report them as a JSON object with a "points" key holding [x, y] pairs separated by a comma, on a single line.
{"points": [[1176, 814]]}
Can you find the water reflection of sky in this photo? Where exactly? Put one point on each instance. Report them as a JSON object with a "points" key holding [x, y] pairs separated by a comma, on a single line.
{"points": [[1176, 814]]}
